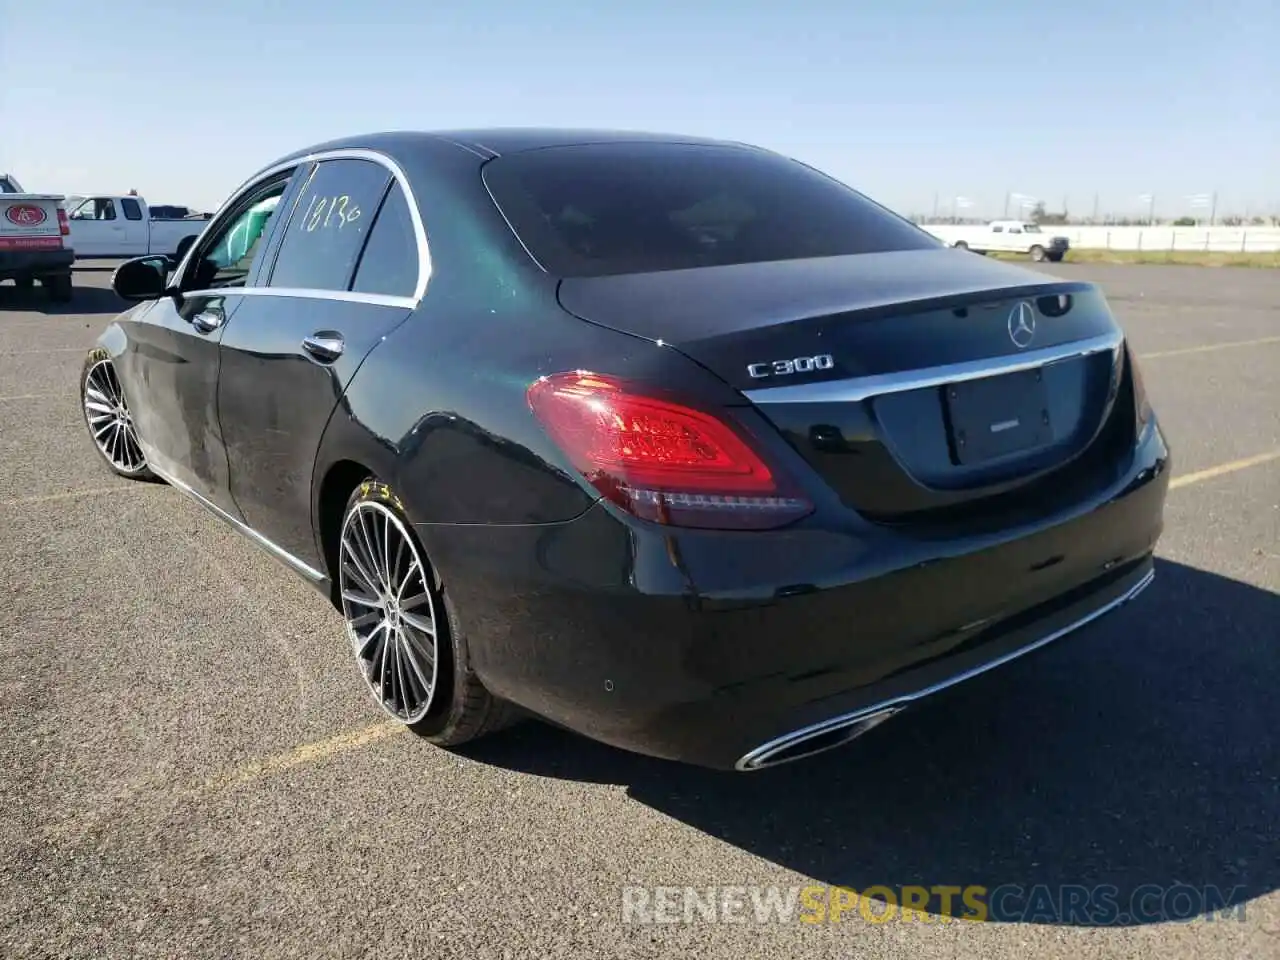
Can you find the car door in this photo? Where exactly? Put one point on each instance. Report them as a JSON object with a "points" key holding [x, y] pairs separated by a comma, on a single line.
{"points": [[97, 229], [170, 365], [137, 230], [345, 274]]}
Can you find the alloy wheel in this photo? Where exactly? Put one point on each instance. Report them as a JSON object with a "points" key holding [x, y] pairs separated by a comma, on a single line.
{"points": [[389, 609], [110, 421]]}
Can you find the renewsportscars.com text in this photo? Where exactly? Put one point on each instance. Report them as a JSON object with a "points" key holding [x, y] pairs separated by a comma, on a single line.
{"points": [[1102, 905]]}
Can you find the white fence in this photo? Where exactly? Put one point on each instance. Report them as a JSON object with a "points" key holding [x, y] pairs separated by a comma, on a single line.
{"points": [[1215, 239]]}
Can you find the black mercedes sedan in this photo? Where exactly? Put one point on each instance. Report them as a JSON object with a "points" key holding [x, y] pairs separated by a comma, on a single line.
{"points": [[677, 443]]}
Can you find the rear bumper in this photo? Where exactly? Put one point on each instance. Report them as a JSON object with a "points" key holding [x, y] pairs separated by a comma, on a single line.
{"points": [[16, 264], [713, 648]]}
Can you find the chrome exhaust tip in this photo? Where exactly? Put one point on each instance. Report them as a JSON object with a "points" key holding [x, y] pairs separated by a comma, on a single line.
{"points": [[815, 739]]}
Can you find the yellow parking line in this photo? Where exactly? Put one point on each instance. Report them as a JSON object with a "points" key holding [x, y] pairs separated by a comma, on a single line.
{"points": [[307, 753], [1206, 348], [1200, 475]]}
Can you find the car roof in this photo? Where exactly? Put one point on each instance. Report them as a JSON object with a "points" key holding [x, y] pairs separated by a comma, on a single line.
{"points": [[491, 142]]}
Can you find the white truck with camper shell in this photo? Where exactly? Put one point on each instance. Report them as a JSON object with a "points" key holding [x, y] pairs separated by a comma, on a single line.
{"points": [[1015, 236], [34, 240], [119, 225]]}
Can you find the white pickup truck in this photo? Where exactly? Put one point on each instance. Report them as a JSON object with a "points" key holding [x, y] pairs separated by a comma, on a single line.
{"points": [[34, 240], [109, 225], [1015, 236]]}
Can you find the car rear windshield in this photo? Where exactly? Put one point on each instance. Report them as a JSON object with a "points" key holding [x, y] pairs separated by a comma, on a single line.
{"points": [[600, 209]]}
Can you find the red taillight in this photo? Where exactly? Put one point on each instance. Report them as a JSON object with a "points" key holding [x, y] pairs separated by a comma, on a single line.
{"points": [[64, 225], [660, 460]]}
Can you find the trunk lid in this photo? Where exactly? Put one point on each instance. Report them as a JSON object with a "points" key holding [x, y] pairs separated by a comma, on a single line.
{"points": [[30, 221], [914, 382]]}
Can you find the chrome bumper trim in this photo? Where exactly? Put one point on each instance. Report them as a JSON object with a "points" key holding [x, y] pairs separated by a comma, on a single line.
{"points": [[758, 759]]}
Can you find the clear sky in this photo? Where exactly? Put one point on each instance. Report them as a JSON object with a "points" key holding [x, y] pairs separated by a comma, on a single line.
{"points": [[904, 99]]}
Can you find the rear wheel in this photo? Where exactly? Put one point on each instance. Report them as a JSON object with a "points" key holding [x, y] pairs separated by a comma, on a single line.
{"points": [[107, 416], [59, 288], [24, 283], [961, 245], [1037, 253], [406, 639], [183, 246]]}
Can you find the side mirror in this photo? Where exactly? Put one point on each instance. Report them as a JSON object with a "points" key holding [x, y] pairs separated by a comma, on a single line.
{"points": [[142, 278]]}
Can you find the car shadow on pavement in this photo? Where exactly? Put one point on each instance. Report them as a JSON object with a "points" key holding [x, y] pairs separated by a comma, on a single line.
{"points": [[1128, 775], [86, 300]]}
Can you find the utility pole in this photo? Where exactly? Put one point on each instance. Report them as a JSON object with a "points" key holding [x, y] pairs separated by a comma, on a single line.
{"points": [[1095, 208], [1006, 206], [1213, 210], [935, 206]]}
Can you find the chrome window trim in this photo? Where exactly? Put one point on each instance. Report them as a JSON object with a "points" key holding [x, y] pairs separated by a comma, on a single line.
{"points": [[757, 759], [344, 153], [861, 388], [348, 296]]}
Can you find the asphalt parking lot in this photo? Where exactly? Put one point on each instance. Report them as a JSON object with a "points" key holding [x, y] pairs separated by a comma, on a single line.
{"points": [[190, 767]]}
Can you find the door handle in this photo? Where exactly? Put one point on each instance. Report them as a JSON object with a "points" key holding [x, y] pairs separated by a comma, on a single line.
{"points": [[325, 347], [206, 321]]}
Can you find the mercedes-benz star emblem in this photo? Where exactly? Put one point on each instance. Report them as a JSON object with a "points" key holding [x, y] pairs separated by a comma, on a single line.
{"points": [[1022, 324]]}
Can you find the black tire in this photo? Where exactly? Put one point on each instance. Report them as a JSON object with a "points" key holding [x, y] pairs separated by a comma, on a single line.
{"points": [[1054, 257], [960, 245], [24, 283], [1037, 253], [59, 288], [459, 708], [132, 467], [183, 246]]}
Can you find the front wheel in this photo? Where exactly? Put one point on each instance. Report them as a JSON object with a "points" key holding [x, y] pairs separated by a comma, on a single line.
{"points": [[407, 642], [109, 419], [24, 283], [1055, 257]]}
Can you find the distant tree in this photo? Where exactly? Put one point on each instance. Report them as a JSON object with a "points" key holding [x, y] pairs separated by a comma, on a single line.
{"points": [[1233, 221]]}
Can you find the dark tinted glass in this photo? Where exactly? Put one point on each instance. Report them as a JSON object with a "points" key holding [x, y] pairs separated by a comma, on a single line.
{"points": [[389, 263], [131, 209], [627, 208], [328, 226]]}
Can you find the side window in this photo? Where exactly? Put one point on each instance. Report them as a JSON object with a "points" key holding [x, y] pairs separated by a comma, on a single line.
{"points": [[6, 185], [997, 229], [97, 208], [226, 258], [330, 221], [132, 210], [389, 264], [1015, 229]]}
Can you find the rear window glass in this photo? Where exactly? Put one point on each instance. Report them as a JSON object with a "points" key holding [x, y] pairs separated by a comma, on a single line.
{"points": [[601, 209]]}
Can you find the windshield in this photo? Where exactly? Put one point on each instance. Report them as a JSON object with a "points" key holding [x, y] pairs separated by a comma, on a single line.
{"points": [[601, 209], [1031, 228]]}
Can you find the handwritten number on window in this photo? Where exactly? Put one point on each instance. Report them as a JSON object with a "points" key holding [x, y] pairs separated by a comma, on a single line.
{"points": [[330, 212]]}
